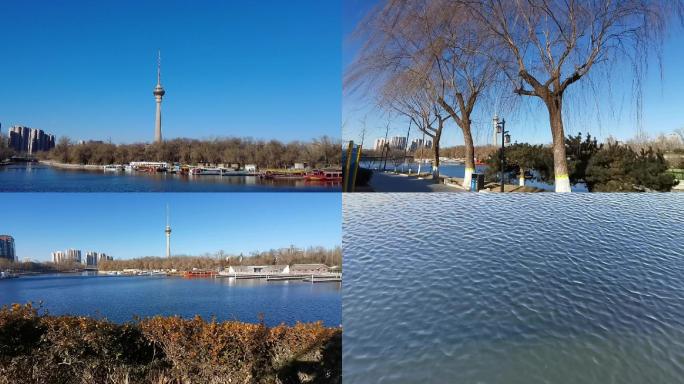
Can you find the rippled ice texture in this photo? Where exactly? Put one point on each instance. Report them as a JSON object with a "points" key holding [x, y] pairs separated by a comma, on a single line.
{"points": [[542, 288]]}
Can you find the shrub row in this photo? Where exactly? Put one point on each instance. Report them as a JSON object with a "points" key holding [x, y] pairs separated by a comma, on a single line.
{"points": [[40, 348]]}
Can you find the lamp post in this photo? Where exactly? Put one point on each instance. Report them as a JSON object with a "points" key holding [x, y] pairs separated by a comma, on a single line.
{"points": [[505, 139]]}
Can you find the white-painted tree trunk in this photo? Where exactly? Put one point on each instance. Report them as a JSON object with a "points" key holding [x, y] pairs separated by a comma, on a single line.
{"points": [[522, 177], [467, 178], [562, 183]]}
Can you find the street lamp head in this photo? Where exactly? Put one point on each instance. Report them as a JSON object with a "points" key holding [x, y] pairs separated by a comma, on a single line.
{"points": [[507, 138], [498, 128]]}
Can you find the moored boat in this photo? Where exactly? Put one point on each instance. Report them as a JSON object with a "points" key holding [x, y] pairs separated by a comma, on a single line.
{"points": [[113, 168], [8, 275], [324, 175], [271, 175], [198, 273]]}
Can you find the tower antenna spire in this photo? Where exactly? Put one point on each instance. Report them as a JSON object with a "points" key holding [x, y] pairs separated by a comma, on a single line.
{"points": [[167, 231], [159, 67]]}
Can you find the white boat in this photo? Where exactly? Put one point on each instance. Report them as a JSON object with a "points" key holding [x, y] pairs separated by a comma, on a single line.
{"points": [[113, 168], [7, 275], [217, 172], [210, 171]]}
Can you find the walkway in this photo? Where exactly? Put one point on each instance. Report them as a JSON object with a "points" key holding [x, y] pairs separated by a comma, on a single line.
{"points": [[387, 182]]}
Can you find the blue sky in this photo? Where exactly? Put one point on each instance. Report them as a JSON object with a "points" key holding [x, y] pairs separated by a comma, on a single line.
{"points": [[611, 112], [132, 225], [86, 69]]}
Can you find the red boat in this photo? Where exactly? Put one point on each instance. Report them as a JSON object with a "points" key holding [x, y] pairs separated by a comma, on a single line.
{"points": [[199, 274], [329, 176]]}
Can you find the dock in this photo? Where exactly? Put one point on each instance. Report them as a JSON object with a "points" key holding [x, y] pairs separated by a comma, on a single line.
{"points": [[321, 278]]}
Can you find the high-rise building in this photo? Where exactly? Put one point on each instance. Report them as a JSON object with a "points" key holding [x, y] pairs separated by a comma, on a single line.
{"points": [[417, 143], [380, 143], [70, 255], [30, 140], [158, 94], [398, 142], [73, 255], [102, 256], [7, 248], [90, 259], [58, 257]]}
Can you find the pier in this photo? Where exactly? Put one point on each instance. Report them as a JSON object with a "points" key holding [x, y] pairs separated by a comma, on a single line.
{"points": [[312, 278]]}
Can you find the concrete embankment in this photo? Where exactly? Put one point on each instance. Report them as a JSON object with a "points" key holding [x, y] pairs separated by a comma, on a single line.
{"points": [[86, 167], [397, 182]]}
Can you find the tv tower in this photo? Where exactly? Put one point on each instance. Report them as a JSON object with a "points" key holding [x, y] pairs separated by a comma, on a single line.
{"points": [[168, 233], [158, 94]]}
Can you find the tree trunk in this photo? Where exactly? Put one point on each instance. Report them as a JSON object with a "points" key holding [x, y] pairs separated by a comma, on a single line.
{"points": [[560, 165], [435, 147], [435, 162], [469, 153], [522, 177]]}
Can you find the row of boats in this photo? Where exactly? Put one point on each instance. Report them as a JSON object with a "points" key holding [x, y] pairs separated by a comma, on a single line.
{"points": [[7, 275], [312, 278], [322, 175]]}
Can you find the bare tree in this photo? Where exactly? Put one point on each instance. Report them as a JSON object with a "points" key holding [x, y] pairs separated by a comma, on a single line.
{"points": [[463, 71], [438, 46], [548, 45], [408, 94]]}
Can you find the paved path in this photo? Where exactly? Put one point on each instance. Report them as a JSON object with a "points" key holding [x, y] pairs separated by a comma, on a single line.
{"points": [[387, 182]]}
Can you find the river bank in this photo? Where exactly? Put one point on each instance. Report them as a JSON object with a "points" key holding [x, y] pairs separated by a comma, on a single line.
{"points": [[83, 167], [404, 182], [77, 349]]}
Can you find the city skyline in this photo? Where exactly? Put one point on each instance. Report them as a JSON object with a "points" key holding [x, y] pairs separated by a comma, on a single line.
{"points": [[128, 226], [94, 64], [610, 112]]}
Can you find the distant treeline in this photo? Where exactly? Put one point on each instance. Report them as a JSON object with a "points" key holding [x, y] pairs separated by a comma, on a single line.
{"points": [[32, 266], [37, 348], [320, 152], [329, 257]]}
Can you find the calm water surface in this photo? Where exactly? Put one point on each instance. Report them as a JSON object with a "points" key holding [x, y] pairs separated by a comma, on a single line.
{"points": [[41, 178], [536, 288], [119, 298]]}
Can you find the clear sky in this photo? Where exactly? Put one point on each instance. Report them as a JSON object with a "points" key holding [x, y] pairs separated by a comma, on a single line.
{"points": [[86, 69], [611, 112], [132, 225]]}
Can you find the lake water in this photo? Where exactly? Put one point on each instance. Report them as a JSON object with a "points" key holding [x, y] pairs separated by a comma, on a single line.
{"points": [[458, 170], [41, 178], [119, 298], [530, 288]]}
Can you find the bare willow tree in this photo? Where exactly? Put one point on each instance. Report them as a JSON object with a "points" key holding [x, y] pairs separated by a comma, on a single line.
{"points": [[435, 48], [462, 69], [408, 94], [549, 45]]}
